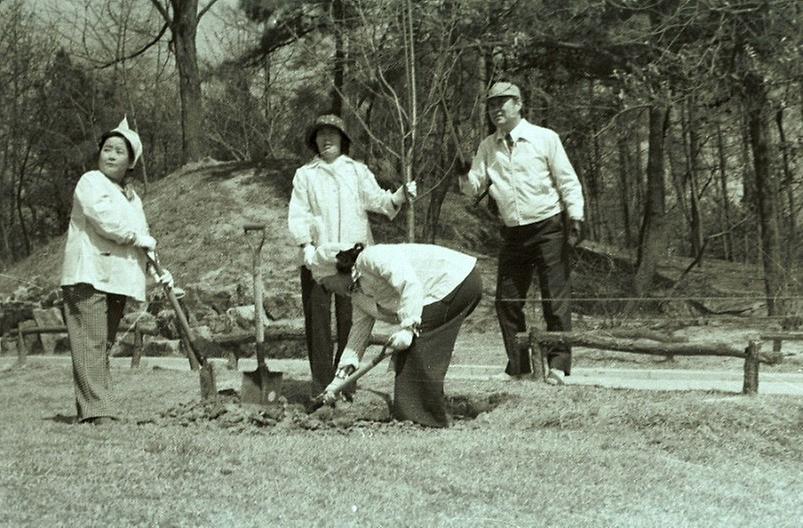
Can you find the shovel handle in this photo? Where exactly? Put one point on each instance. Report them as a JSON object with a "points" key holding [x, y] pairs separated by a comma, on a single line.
{"points": [[194, 356]]}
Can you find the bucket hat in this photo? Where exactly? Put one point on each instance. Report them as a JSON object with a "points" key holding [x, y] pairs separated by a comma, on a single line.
{"points": [[323, 121]]}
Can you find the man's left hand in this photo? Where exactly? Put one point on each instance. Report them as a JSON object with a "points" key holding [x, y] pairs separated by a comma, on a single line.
{"points": [[575, 233]]}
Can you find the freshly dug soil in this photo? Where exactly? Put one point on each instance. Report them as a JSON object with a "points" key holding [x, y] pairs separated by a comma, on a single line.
{"points": [[291, 411]]}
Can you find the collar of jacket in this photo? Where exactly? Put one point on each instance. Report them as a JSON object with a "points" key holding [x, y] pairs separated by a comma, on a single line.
{"points": [[519, 131], [127, 191], [317, 161]]}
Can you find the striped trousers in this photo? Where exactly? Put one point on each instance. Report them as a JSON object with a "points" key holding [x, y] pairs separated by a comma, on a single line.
{"points": [[92, 319]]}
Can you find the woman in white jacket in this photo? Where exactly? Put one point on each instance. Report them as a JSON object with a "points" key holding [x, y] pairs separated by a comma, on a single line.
{"points": [[332, 196], [427, 291], [104, 265]]}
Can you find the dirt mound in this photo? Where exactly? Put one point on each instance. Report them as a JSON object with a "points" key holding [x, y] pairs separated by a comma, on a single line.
{"points": [[370, 408]]}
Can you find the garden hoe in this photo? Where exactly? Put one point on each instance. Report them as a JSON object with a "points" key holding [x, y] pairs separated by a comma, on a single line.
{"points": [[207, 373], [260, 386], [354, 376]]}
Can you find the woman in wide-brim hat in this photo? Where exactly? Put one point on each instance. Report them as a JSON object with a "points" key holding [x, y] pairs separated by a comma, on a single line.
{"points": [[104, 266], [332, 196], [427, 291]]}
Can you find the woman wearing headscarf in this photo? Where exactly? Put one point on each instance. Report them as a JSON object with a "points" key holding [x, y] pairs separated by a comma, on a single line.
{"points": [[104, 265], [427, 291], [332, 196]]}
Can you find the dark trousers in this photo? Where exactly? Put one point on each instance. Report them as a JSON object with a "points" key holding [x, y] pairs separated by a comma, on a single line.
{"points": [[317, 304], [420, 370], [539, 248], [92, 319]]}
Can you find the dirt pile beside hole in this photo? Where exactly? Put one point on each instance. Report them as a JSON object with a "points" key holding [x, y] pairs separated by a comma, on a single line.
{"points": [[369, 408]]}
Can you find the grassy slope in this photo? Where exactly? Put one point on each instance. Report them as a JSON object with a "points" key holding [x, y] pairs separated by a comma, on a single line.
{"points": [[579, 456]]}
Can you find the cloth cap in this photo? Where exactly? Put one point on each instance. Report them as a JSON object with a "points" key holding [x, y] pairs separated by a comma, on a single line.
{"points": [[322, 121], [132, 138], [324, 261], [504, 89]]}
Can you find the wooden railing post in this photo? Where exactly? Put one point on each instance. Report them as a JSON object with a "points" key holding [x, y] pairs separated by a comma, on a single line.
{"points": [[22, 352], [537, 356], [751, 362], [136, 354]]}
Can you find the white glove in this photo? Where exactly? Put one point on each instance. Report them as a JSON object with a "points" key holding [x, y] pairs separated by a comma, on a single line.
{"points": [[309, 255], [146, 242], [400, 196], [165, 279], [330, 392], [412, 189], [401, 340]]}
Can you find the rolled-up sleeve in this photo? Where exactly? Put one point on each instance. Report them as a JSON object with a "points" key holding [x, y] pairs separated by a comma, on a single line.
{"points": [[299, 213], [569, 184], [98, 207]]}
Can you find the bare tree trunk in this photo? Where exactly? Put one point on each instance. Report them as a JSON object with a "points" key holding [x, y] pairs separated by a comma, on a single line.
{"points": [[788, 184], [748, 194], [340, 57], [625, 165], [652, 240], [693, 173], [675, 157], [184, 26], [724, 209], [766, 194]]}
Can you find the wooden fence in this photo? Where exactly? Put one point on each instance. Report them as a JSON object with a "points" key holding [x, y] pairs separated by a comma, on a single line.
{"points": [[656, 344], [622, 340]]}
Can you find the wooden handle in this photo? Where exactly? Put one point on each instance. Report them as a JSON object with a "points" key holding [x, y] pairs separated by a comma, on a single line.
{"points": [[195, 356], [357, 374]]}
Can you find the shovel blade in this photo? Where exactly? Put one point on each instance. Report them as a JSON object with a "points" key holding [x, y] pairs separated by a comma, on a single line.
{"points": [[261, 387]]}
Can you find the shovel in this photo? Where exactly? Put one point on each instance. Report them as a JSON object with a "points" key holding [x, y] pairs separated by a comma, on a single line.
{"points": [[206, 372], [261, 386], [354, 376]]}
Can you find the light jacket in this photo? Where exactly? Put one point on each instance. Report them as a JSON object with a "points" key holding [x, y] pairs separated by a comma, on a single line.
{"points": [[530, 182], [395, 282], [99, 249], [330, 202]]}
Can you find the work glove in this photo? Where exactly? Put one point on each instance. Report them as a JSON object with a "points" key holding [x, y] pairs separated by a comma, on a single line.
{"points": [[165, 279], [409, 188], [575, 233], [401, 340], [309, 255], [342, 373], [145, 242]]}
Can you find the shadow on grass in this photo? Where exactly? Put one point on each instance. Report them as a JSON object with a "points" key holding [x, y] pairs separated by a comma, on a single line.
{"points": [[62, 419]]}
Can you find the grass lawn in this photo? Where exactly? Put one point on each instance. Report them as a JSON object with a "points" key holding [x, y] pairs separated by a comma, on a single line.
{"points": [[545, 456]]}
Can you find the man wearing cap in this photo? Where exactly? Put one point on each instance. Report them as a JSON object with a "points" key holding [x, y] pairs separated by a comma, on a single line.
{"points": [[332, 196], [526, 171]]}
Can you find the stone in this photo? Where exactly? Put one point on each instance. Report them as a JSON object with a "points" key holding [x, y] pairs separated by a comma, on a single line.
{"points": [[204, 341], [155, 346], [215, 298], [14, 312], [243, 316], [33, 345], [49, 317], [283, 305]]}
